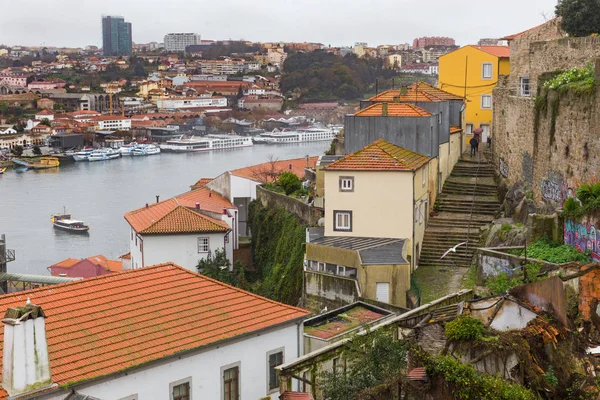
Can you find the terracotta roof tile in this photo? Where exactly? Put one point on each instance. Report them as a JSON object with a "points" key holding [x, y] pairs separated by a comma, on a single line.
{"points": [[201, 183], [433, 91], [126, 256], [396, 96], [455, 129], [380, 156], [162, 218], [68, 263], [393, 110], [516, 35], [184, 220], [498, 51], [266, 172], [110, 323]]}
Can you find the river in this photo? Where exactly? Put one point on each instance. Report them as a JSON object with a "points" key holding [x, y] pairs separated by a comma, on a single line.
{"points": [[100, 193]]}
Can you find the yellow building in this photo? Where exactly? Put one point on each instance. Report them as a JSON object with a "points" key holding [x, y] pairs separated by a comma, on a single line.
{"points": [[472, 72]]}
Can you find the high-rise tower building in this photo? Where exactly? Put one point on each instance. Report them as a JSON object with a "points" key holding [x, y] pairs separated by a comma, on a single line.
{"points": [[179, 41], [116, 36]]}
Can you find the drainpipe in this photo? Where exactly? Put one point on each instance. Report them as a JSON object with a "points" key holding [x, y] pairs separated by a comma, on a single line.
{"points": [[412, 257]]}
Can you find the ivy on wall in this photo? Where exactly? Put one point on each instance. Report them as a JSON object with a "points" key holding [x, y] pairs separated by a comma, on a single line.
{"points": [[278, 242]]}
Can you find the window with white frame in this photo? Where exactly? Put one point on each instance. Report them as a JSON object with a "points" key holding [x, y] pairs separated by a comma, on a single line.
{"points": [[342, 220], [346, 184], [486, 70], [524, 86], [203, 245], [486, 101], [181, 390], [231, 383], [275, 359], [423, 176]]}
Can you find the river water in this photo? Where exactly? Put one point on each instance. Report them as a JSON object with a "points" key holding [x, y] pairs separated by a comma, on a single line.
{"points": [[100, 193]]}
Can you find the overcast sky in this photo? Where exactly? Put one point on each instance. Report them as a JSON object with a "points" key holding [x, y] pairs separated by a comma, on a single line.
{"points": [[76, 23]]}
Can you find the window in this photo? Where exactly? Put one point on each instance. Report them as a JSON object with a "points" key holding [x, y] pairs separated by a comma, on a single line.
{"points": [[421, 213], [423, 176], [336, 364], [203, 245], [227, 238], [440, 117], [275, 359], [486, 70], [346, 184], [342, 221], [486, 101], [525, 87], [180, 390], [469, 131], [231, 383]]}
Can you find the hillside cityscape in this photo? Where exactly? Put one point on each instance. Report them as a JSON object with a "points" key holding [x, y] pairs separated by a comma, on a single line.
{"points": [[202, 218]]}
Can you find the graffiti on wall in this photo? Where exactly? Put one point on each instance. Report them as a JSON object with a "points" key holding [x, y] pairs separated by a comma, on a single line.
{"points": [[551, 191], [503, 168], [583, 236]]}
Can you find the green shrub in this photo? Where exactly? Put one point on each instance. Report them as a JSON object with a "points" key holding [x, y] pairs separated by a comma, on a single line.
{"points": [[578, 79], [500, 284], [464, 328], [546, 250], [289, 182]]}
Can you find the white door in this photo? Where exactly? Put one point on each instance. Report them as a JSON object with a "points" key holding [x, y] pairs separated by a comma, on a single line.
{"points": [[486, 132], [383, 292]]}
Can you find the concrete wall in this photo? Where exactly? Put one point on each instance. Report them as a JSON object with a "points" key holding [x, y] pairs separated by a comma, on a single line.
{"points": [[418, 134], [323, 290], [494, 261], [203, 368], [222, 185], [436, 108], [306, 214]]}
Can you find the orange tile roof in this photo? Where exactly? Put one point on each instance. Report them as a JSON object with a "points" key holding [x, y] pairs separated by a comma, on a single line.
{"points": [[498, 51], [163, 217], [394, 110], [380, 156], [68, 263], [126, 256], [266, 172], [396, 96], [201, 183], [99, 326], [433, 91], [455, 129], [516, 35]]}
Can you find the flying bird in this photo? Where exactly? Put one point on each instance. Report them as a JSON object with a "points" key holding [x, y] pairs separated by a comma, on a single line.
{"points": [[452, 249]]}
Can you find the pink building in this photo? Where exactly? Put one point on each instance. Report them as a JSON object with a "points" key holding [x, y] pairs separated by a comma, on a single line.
{"points": [[13, 80], [425, 42], [85, 268]]}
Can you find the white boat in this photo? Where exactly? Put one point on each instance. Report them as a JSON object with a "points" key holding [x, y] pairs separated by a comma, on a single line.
{"points": [[206, 143], [145, 150], [82, 155], [103, 155], [127, 149], [298, 136]]}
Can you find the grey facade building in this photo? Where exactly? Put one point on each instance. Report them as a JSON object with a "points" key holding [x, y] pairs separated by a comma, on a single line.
{"points": [[179, 41], [116, 36]]}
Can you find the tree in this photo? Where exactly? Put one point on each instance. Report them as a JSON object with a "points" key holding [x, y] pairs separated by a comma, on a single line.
{"points": [[3, 107], [46, 122], [218, 267], [17, 150], [240, 93], [289, 182], [138, 69], [579, 17], [371, 360], [37, 151]]}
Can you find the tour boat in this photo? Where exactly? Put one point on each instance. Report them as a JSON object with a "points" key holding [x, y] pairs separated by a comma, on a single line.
{"points": [[64, 222], [43, 163], [127, 150], [206, 143], [82, 155], [298, 136], [145, 150], [103, 155]]}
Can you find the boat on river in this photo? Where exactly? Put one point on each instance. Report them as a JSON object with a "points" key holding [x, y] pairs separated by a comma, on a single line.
{"points": [[103, 155], [2, 170], [43, 163], [82, 155], [145, 150], [66, 223], [314, 134], [127, 149], [206, 143]]}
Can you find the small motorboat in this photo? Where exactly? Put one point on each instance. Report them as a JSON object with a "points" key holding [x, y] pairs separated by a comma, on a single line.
{"points": [[43, 163], [2, 170], [64, 222]]}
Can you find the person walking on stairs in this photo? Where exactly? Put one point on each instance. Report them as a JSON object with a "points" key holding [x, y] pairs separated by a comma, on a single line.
{"points": [[473, 142]]}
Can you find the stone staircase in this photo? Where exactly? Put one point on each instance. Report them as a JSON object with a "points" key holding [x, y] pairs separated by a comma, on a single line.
{"points": [[467, 202]]}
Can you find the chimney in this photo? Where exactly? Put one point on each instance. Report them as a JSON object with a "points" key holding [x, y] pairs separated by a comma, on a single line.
{"points": [[290, 167], [197, 206], [157, 197], [209, 194], [384, 109], [26, 363], [146, 205]]}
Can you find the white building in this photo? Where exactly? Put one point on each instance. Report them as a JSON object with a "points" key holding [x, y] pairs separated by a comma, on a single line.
{"points": [[179, 41], [184, 229], [112, 123], [45, 114], [188, 102], [160, 332]]}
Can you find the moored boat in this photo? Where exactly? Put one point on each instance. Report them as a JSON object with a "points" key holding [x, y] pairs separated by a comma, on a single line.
{"points": [[45, 163], [82, 155], [103, 155], [206, 143], [64, 222], [2, 170], [145, 150]]}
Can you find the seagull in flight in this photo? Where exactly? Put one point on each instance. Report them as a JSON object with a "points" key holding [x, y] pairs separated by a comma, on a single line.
{"points": [[452, 249]]}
